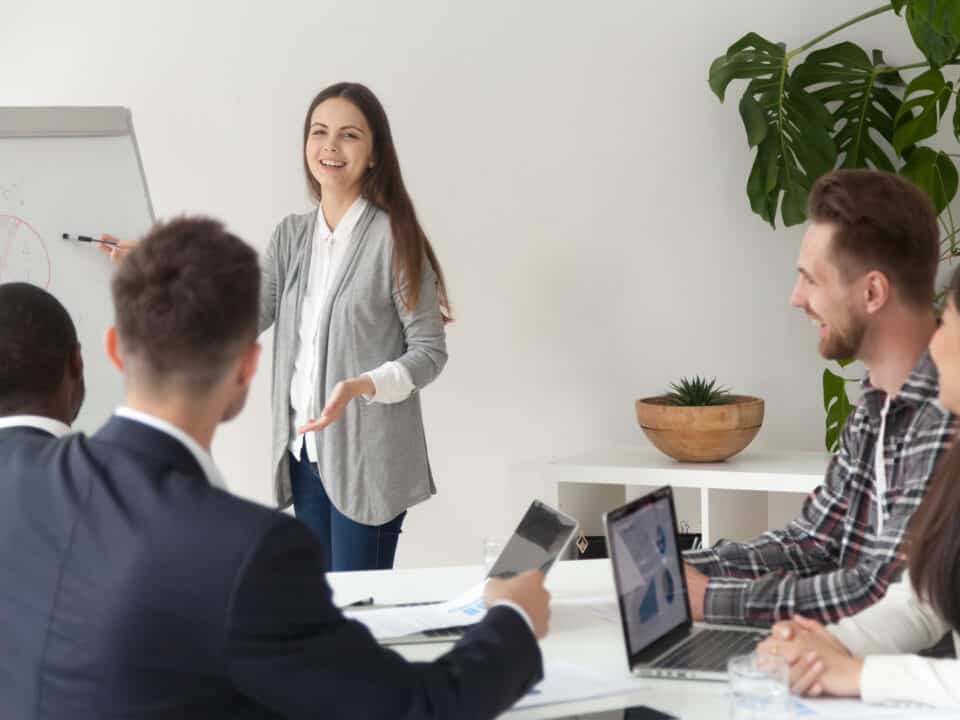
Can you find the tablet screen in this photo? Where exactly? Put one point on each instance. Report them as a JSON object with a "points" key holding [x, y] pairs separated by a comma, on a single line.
{"points": [[536, 543]]}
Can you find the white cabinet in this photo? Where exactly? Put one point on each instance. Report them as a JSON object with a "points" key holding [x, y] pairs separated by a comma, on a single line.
{"points": [[733, 495]]}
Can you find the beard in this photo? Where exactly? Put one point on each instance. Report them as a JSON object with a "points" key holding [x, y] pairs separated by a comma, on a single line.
{"points": [[844, 343]]}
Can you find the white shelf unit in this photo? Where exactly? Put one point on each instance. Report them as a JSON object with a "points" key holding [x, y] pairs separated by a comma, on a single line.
{"points": [[733, 493]]}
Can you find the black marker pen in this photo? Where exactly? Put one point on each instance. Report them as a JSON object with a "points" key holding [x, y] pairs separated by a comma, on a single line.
{"points": [[87, 238]]}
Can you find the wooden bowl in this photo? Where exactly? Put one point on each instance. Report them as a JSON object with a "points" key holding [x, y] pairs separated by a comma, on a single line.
{"points": [[701, 434]]}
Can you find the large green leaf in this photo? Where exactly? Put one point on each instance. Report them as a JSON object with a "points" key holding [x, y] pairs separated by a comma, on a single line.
{"points": [[837, 406], [956, 121], [848, 82], [935, 173], [924, 103], [789, 127], [751, 56], [935, 27]]}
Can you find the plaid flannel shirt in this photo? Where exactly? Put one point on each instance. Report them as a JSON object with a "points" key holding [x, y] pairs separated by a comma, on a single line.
{"points": [[831, 562]]}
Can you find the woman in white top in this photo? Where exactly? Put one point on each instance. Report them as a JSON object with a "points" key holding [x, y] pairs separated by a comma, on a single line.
{"points": [[357, 301], [358, 304], [869, 654]]}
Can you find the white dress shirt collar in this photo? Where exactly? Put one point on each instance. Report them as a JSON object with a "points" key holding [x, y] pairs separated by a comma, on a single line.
{"points": [[203, 458], [348, 222], [38, 422]]}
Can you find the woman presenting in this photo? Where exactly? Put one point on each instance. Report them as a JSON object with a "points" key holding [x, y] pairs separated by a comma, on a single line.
{"points": [[358, 304]]}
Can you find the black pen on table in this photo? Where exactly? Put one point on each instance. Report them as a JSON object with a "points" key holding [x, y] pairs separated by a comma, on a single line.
{"points": [[88, 239]]}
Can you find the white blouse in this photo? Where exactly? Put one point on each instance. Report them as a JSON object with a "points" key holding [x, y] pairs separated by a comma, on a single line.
{"points": [[885, 633], [391, 380]]}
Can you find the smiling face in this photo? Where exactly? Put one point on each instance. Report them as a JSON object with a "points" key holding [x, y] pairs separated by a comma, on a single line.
{"points": [[834, 304], [339, 147]]}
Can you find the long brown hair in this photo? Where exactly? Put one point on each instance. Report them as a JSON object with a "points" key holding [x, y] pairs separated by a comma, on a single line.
{"points": [[383, 186], [933, 535]]}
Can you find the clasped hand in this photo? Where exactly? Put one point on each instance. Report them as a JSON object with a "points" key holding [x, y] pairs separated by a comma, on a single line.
{"points": [[819, 663]]}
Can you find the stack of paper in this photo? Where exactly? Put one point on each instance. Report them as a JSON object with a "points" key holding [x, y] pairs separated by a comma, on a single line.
{"points": [[842, 709], [394, 622]]}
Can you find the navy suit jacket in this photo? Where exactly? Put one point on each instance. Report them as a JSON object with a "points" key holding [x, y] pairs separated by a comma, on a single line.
{"points": [[131, 588]]}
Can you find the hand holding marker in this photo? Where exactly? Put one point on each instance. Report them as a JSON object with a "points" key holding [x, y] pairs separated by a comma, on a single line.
{"points": [[114, 247], [87, 238]]}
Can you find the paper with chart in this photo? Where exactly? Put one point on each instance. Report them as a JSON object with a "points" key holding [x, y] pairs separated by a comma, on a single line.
{"points": [[74, 170], [468, 608]]}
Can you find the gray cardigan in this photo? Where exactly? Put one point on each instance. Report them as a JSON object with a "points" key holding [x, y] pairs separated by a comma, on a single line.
{"points": [[373, 459]]}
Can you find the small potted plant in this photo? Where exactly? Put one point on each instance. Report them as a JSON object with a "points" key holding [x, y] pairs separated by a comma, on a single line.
{"points": [[699, 421]]}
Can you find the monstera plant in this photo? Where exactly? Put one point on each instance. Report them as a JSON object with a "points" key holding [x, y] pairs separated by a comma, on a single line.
{"points": [[810, 109]]}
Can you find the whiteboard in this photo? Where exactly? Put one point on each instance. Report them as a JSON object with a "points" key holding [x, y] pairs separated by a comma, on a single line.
{"points": [[74, 170]]}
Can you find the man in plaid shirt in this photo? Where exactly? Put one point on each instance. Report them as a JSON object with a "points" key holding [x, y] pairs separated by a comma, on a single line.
{"points": [[867, 268]]}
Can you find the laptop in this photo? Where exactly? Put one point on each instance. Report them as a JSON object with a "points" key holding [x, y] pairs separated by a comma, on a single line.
{"points": [[540, 538], [660, 637]]}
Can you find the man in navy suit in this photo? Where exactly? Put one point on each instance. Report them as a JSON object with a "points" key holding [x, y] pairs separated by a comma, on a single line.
{"points": [[133, 586], [41, 370]]}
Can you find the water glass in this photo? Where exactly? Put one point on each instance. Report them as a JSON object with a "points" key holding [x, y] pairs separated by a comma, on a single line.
{"points": [[759, 687], [492, 547]]}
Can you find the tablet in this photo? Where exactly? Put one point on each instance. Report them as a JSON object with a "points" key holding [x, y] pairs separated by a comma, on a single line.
{"points": [[541, 536]]}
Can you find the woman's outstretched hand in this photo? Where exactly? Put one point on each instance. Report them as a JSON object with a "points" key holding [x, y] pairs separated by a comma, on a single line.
{"points": [[343, 392]]}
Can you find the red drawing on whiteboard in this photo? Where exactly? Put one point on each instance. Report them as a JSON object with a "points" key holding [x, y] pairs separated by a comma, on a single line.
{"points": [[23, 253]]}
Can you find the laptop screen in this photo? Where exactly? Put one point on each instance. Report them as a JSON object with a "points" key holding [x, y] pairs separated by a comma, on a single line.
{"points": [[538, 540], [647, 569]]}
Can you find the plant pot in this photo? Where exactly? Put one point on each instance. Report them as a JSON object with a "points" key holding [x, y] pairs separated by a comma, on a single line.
{"points": [[701, 434]]}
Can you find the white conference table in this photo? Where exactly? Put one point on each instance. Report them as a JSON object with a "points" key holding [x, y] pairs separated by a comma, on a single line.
{"points": [[577, 635]]}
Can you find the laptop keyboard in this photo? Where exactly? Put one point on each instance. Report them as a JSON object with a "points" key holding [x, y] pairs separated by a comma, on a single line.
{"points": [[709, 650]]}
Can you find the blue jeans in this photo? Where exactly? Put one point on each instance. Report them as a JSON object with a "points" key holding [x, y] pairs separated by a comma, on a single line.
{"points": [[347, 544]]}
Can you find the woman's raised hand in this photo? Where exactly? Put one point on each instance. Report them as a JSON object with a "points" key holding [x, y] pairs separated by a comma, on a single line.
{"points": [[115, 247]]}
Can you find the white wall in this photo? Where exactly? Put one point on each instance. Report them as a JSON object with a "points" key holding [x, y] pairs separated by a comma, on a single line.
{"points": [[583, 188]]}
